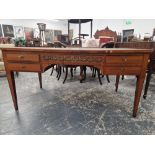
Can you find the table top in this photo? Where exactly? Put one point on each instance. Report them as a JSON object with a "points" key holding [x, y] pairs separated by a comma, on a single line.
{"points": [[76, 50]]}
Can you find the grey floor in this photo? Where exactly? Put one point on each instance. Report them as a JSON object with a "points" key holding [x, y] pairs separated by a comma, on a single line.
{"points": [[74, 108]]}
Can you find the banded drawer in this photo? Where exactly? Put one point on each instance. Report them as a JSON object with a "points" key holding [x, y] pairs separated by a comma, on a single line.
{"points": [[122, 70], [124, 60], [23, 57], [24, 67]]}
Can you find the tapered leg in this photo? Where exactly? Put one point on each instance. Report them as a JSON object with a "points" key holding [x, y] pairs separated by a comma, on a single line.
{"points": [[11, 81], [40, 80], [117, 82], [139, 87], [147, 84]]}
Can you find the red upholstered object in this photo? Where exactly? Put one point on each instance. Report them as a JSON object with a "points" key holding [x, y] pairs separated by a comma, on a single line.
{"points": [[106, 39]]}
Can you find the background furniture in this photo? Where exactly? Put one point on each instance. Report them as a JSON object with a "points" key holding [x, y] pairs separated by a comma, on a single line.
{"points": [[2, 68], [42, 28], [80, 21], [106, 33]]}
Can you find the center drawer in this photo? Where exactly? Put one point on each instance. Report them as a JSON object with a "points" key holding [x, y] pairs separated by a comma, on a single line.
{"points": [[124, 60], [23, 57], [24, 67]]}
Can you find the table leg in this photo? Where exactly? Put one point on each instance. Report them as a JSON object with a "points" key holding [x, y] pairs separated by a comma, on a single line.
{"points": [[40, 80], [139, 87], [11, 81]]}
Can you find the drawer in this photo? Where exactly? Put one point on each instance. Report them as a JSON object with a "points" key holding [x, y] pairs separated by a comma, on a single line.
{"points": [[127, 60], [23, 67], [23, 57], [122, 70]]}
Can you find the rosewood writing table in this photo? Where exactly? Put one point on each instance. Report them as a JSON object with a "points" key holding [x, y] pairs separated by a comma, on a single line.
{"points": [[115, 61]]}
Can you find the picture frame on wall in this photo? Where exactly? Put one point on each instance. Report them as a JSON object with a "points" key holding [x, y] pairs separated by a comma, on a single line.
{"points": [[1, 34], [127, 33], [8, 30], [19, 31], [28, 33], [49, 36]]}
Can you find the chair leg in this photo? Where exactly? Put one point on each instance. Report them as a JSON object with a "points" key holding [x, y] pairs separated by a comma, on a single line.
{"points": [[57, 67], [108, 78], [92, 69], [75, 69], [63, 69], [71, 70], [122, 77], [81, 74], [66, 75], [59, 72], [98, 73], [84, 69], [117, 82], [147, 84], [95, 72], [52, 71], [17, 74], [40, 80]]}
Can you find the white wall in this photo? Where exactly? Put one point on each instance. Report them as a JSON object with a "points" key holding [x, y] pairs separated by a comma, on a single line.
{"points": [[140, 26], [32, 23]]}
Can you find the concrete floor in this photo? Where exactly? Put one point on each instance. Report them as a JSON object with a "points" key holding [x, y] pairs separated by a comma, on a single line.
{"points": [[74, 108]]}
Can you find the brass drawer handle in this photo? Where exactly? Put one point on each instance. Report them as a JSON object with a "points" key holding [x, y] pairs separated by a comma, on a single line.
{"points": [[124, 59], [21, 57], [23, 67], [122, 69]]}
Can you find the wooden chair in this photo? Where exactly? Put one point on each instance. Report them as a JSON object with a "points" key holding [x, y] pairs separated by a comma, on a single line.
{"points": [[150, 71]]}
